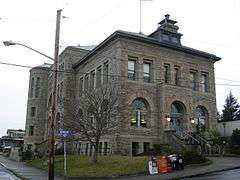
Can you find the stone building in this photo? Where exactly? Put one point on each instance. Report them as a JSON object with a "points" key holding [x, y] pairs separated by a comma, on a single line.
{"points": [[167, 89]]}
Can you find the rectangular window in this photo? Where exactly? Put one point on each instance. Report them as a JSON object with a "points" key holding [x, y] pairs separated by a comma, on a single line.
{"points": [[58, 92], [203, 83], [167, 73], [33, 111], [99, 76], [135, 148], [105, 73], [86, 149], [80, 86], [105, 150], [131, 69], [100, 148], [146, 146], [92, 80], [37, 88], [176, 75], [86, 82], [31, 131], [193, 80], [31, 87], [61, 91], [146, 72]]}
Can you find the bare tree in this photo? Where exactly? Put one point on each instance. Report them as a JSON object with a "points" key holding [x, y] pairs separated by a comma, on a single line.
{"points": [[96, 115]]}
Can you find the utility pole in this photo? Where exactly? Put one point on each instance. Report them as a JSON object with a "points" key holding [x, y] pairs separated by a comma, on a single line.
{"points": [[53, 108]]}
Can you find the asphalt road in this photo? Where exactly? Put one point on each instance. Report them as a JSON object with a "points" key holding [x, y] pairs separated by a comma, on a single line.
{"points": [[6, 175], [225, 175]]}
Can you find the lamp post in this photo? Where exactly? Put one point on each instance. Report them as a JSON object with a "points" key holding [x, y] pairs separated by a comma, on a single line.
{"points": [[53, 107]]}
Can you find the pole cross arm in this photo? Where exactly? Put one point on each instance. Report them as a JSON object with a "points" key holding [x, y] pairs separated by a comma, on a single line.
{"points": [[10, 43]]}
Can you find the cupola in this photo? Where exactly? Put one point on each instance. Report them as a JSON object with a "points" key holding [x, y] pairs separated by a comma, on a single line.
{"points": [[167, 31]]}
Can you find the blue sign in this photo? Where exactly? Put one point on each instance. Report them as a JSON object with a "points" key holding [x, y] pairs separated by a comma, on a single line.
{"points": [[64, 133]]}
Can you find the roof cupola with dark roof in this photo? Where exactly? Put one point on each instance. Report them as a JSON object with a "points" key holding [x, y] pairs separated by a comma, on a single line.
{"points": [[167, 31]]}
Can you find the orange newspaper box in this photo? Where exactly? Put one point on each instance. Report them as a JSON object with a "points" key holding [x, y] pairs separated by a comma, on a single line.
{"points": [[164, 165]]}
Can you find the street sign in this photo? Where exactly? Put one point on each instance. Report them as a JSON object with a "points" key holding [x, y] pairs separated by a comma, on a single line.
{"points": [[65, 133]]}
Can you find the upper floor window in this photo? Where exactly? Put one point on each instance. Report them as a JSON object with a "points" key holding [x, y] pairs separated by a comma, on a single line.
{"points": [[61, 91], [146, 72], [58, 92], [92, 80], [203, 83], [167, 73], [31, 131], [131, 69], [139, 113], [80, 86], [193, 80], [105, 72], [37, 88], [31, 87], [86, 82], [99, 76], [33, 111], [176, 75]]}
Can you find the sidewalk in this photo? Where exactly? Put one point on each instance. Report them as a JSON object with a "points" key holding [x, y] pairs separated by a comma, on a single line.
{"points": [[218, 164], [23, 171]]}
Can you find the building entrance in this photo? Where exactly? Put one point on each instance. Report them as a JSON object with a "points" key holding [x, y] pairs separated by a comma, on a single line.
{"points": [[177, 117]]}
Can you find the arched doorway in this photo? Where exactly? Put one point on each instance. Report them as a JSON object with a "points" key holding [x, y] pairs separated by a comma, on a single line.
{"points": [[200, 118], [178, 112]]}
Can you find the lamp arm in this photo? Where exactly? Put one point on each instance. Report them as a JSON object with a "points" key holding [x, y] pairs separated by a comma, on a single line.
{"points": [[35, 51]]}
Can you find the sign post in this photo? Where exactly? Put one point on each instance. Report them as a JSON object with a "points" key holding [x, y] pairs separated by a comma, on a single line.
{"points": [[65, 134]]}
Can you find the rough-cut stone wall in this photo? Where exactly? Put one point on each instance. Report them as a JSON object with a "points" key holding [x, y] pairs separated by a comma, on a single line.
{"points": [[157, 95], [40, 103]]}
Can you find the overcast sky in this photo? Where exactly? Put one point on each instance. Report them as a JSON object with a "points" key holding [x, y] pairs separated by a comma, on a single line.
{"points": [[209, 25]]}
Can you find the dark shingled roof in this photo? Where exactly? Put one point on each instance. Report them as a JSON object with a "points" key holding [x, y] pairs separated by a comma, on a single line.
{"points": [[145, 39]]}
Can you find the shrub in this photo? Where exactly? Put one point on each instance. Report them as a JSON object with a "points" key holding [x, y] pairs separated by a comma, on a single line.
{"points": [[192, 157], [59, 151], [235, 138], [235, 149], [27, 155], [162, 149]]}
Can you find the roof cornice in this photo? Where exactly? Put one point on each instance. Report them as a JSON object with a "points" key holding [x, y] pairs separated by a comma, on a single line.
{"points": [[145, 39]]}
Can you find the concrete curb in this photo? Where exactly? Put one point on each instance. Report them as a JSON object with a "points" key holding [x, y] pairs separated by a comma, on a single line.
{"points": [[206, 173], [12, 171]]}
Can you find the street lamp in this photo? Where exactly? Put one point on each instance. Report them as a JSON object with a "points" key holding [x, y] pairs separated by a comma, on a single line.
{"points": [[10, 43], [53, 108]]}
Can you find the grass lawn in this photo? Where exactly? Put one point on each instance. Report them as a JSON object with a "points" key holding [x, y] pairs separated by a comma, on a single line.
{"points": [[106, 165]]}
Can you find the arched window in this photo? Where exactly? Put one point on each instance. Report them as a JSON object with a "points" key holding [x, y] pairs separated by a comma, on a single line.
{"points": [[200, 118], [139, 113]]}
